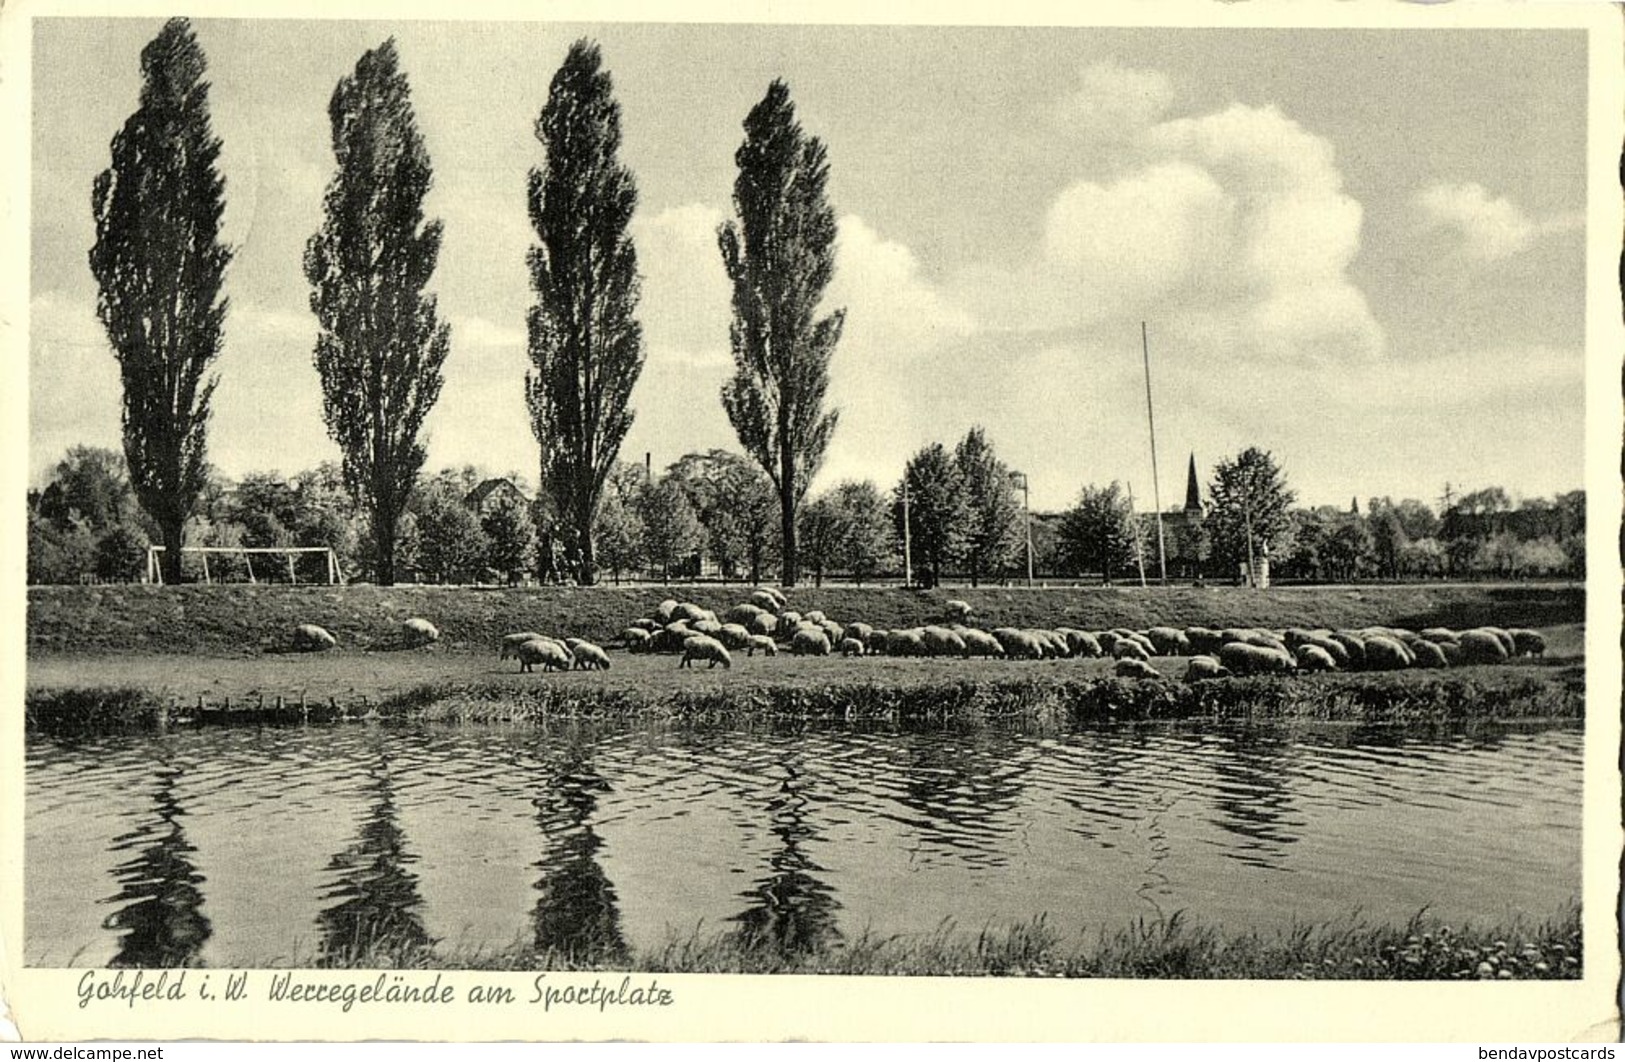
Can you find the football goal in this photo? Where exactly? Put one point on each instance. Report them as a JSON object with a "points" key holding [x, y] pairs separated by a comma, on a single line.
{"points": [[246, 554]]}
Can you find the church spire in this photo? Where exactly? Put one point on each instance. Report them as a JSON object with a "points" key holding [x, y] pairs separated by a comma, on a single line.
{"points": [[1193, 493]]}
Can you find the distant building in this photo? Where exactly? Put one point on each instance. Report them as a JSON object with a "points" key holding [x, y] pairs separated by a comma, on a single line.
{"points": [[483, 498], [1184, 533]]}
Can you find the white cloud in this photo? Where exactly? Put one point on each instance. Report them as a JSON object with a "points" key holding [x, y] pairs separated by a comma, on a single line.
{"points": [[1491, 228], [473, 331], [886, 296], [685, 297], [1113, 99], [1231, 229]]}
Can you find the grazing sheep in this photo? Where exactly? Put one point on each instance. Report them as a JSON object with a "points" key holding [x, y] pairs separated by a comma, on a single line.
{"points": [[1205, 667], [636, 640], [940, 641], [694, 613], [789, 620], [762, 642], [909, 642], [1332, 647], [670, 639], [832, 630], [851, 647], [1528, 642], [1082, 643], [704, 647], [1053, 640], [1127, 649], [763, 623], [861, 631], [650, 625], [814, 617], [1132, 667], [1503, 636], [1108, 641], [1440, 635], [666, 611], [309, 638], [1204, 642], [1386, 654], [981, 643], [705, 626], [1314, 658], [732, 635], [511, 642], [957, 610], [1430, 654], [1481, 646], [809, 641], [1169, 641], [419, 631], [1018, 645], [1353, 645], [544, 651], [590, 657], [1265, 640], [766, 600], [741, 614], [1243, 658]]}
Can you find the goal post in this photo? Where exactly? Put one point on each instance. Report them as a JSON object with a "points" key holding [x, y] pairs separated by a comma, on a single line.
{"points": [[335, 574]]}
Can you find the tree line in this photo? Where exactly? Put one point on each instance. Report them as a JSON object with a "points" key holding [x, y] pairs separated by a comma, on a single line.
{"points": [[715, 514], [160, 267]]}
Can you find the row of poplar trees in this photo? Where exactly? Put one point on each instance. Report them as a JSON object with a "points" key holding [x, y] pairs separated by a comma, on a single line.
{"points": [[160, 265]]}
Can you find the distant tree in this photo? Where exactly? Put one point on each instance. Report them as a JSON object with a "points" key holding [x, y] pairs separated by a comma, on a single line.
{"points": [[585, 341], [936, 512], [92, 482], [1349, 551], [510, 536], [159, 266], [618, 532], [866, 543], [671, 531], [780, 256], [266, 508], [1248, 498], [451, 544], [1423, 557], [326, 515], [1100, 533], [822, 528], [1540, 556], [59, 553], [1498, 555], [736, 504], [381, 344], [993, 517], [121, 554]]}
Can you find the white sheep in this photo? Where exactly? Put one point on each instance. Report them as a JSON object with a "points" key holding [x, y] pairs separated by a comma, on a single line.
{"points": [[762, 642], [544, 651], [957, 610], [418, 631], [704, 647], [589, 657], [809, 641], [1132, 667], [309, 638], [851, 647]]}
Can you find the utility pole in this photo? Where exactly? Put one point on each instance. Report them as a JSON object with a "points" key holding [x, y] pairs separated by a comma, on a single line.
{"points": [[1156, 479], [1027, 512], [1252, 562], [908, 558]]}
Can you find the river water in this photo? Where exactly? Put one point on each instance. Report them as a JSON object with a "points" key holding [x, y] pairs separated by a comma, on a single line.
{"points": [[248, 846]]}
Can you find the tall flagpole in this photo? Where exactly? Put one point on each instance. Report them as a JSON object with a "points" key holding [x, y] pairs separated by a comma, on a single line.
{"points": [[1156, 480]]}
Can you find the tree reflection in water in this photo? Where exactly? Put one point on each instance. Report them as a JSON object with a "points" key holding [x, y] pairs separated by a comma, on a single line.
{"points": [[159, 904], [791, 910], [1251, 795], [577, 912], [378, 901]]}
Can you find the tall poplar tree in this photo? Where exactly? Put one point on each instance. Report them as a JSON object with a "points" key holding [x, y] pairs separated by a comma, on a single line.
{"points": [[585, 341], [381, 344], [993, 514], [780, 256], [159, 265]]}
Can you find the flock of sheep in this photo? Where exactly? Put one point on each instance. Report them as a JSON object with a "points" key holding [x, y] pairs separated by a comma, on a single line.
{"points": [[765, 623]]}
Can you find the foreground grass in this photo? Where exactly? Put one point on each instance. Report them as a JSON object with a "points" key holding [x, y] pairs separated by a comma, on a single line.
{"points": [[245, 620], [1174, 948]]}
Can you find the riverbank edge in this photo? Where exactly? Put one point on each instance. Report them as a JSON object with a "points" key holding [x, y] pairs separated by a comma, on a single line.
{"points": [[1401, 698], [1172, 948]]}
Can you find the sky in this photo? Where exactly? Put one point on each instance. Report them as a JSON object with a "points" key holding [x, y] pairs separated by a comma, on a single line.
{"points": [[1361, 250]]}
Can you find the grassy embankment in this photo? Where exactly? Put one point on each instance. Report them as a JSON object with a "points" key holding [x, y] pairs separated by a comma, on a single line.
{"points": [[1174, 948], [108, 656]]}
